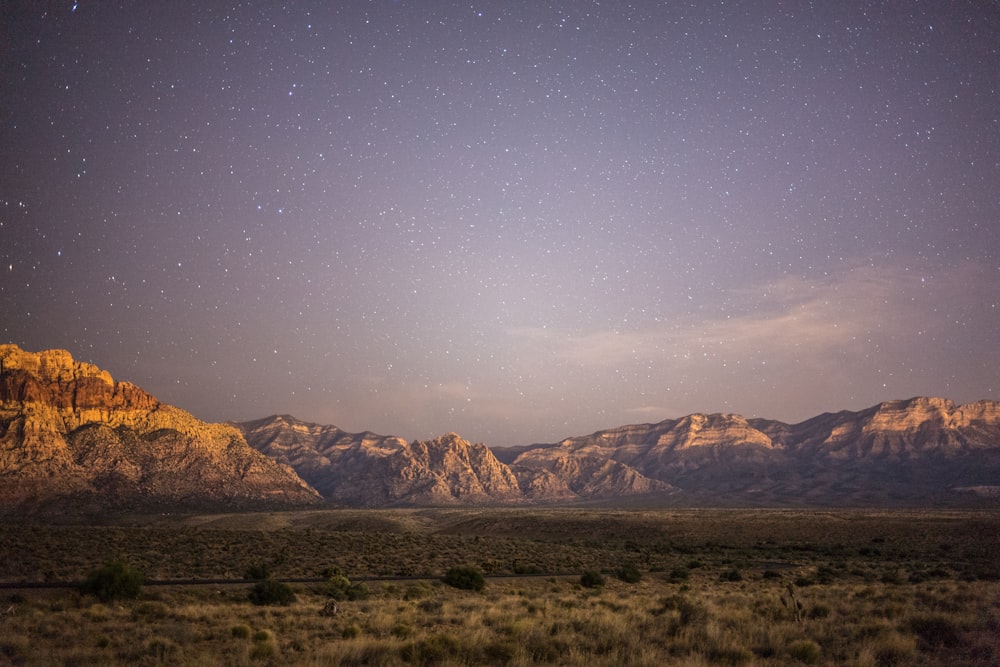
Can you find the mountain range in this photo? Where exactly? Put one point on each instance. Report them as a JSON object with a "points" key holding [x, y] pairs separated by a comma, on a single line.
{"points": [[70, 436]]}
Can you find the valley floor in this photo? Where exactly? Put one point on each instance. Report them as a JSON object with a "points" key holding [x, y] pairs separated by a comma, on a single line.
{"points": [[688, 587]]}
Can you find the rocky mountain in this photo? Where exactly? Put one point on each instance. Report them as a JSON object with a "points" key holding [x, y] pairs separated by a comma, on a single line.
{"points": [[369, 470], [918, 451], [71, 438]]}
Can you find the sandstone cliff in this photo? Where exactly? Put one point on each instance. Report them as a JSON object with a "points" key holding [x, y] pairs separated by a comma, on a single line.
{"points": [[369, 470], [921, 450], [918, 451], [70, 436]]}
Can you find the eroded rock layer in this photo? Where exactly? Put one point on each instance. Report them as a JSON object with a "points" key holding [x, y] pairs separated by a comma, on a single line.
{"points": [[71, 437]]}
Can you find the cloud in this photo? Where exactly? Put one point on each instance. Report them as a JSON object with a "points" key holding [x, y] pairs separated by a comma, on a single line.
{"points": [[796, 318]]}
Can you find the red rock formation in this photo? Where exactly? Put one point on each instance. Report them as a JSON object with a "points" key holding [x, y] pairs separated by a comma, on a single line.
{"points": [[69, 434]]}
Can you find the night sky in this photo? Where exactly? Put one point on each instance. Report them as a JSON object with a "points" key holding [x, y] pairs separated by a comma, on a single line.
{"points": [[519, 221]]}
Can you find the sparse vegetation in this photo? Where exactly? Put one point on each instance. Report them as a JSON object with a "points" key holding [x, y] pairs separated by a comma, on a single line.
{"points": [[629, 573], [116, 580], [272, 592], [465, 577], [592, 579], [678, 612]]}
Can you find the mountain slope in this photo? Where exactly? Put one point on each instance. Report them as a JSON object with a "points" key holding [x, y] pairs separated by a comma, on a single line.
{"points": [[369, 470], [72, 437], [917, 450]]}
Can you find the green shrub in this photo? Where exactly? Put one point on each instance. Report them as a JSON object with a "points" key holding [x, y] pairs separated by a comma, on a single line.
{"points": [[679, 574], [339, 587], [731, 575], [465, 577], [240, 631], [591, 579], [114, 581], [805, 650], [272, 592]]}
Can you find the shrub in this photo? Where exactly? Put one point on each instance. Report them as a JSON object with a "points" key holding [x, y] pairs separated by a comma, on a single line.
{"points": [[465, 577], [114, 581], [819, 610], [591, 579], [258, 572], [936, 630], [731, 575], [772, 574], [340, 587], [431, 650], [272, 592], [730, 655], [629, 573], [240, 631], [805, 650], [893, 650], [679, 574], [161, 648]]}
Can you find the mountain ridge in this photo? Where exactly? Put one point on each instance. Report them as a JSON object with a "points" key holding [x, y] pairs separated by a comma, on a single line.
{"points": [[71, 436], [922, 449], [72, 439]]}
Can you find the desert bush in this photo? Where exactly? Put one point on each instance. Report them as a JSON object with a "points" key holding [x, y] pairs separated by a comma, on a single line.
{"points": [[431, 650], [339, 587], [678, 574], [161, 649], [731, 574], [263, 651], [629, 573], [272, 592], [591, 579], [730, 655], [115, 580], [240, 631], [805, 650], [936, 630], [465, 577], [818, 610], [257, 572], [892, 650], [525, 568]]}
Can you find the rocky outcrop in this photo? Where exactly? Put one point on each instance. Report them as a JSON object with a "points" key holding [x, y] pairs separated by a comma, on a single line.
{"points": [[369, 470], [919, 450], [72, 437]]}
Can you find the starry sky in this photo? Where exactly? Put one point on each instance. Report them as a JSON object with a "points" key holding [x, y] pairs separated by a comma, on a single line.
{"points": [[519, 221]]}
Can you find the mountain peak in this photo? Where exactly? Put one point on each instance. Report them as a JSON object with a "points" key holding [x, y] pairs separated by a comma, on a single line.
{"points": [[71, 435]]}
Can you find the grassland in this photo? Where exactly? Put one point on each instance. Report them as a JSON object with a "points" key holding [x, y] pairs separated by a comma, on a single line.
{"points": [[737, 587]]}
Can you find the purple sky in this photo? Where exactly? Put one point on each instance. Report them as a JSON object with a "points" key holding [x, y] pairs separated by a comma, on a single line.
{"points": [[518, 221]]}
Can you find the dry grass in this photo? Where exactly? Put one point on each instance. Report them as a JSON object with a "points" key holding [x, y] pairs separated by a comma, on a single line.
{"points": [[875, 589]]}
